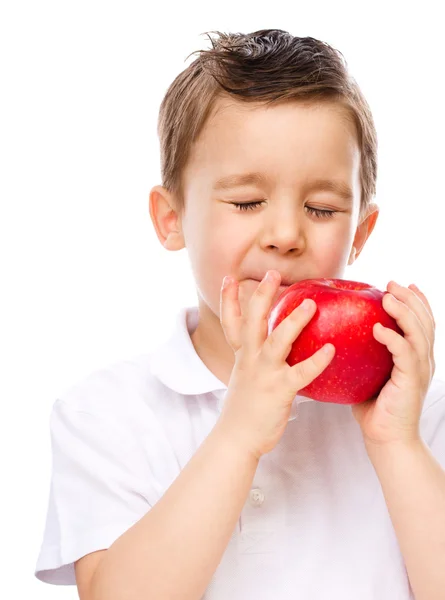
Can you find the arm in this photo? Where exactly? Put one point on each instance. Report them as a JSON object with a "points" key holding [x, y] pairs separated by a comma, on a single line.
{"points": [[413, 484], [176, 547]]}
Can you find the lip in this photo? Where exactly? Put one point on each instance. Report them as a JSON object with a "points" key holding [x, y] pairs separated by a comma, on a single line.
{"points": [[281, 288], [284, 281]]}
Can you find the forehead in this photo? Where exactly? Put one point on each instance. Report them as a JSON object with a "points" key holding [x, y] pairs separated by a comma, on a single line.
{"points": [[294, 118], [289, 141]]}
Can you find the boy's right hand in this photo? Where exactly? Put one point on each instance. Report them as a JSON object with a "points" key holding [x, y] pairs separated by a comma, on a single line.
{"points": [[262, 385]]}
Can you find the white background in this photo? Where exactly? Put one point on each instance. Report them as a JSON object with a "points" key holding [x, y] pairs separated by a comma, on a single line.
{"points": [[84, 280]]}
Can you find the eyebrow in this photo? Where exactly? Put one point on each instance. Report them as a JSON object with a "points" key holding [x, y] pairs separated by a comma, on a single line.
{"points": [[244, 179]]}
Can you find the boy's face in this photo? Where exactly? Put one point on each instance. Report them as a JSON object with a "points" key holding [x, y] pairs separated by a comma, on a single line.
{"points": [[292, 146]]}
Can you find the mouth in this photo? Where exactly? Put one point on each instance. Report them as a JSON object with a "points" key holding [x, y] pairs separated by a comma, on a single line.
{"points": [[283, 286]]}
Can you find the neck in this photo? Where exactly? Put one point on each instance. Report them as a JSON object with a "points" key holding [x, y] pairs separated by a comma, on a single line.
{"points": [[211, 345]]}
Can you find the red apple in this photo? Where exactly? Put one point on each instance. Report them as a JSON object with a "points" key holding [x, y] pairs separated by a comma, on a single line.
{"points": [[345, 315]]}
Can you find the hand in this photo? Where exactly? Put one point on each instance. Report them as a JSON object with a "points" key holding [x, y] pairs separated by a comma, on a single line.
{"points": [[262, 385], [394, 415]]}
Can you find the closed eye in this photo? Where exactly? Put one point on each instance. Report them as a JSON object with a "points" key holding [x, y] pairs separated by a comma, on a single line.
{"points": [[318, 212]]}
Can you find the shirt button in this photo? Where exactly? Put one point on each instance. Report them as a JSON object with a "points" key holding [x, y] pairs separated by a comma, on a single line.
{"points": [[256, 497]]}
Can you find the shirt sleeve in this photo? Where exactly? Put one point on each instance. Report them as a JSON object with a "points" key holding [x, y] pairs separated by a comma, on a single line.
{"points": [[100, 487]]}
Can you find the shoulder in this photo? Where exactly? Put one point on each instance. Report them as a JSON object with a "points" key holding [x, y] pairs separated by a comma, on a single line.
{"points": [[123, 391], [128, 396]]}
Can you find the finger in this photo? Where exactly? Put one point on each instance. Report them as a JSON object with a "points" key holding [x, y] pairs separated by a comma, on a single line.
{"points": [[256, 320], [279, 343], [410, 324], [304, 372], [230, 312], [418, 305], [432, 332], [405, 359], [424, 301]]}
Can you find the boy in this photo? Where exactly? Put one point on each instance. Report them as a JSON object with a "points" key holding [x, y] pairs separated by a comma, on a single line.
{"points": [[182, 474]]}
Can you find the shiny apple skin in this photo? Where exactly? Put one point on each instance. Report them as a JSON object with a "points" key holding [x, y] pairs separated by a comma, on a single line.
{"points": [[345, 315]]}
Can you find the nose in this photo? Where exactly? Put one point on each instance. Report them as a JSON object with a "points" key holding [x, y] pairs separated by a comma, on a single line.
{"points": [[283, 231]]}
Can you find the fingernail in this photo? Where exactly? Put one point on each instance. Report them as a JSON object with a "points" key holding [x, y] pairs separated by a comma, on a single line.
{"points": [[306, 304], [270, 276], [226, 281]]}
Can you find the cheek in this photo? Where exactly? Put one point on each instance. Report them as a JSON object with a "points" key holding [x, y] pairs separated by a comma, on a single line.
{"points": [[329, 252], [212, 257], [218, 255], [222, 241]]}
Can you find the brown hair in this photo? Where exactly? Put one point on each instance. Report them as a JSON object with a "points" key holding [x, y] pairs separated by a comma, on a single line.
{"points": [[268, 66]]}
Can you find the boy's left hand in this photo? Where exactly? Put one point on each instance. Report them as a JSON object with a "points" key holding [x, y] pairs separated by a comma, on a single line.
{"points": [[394, 414]]}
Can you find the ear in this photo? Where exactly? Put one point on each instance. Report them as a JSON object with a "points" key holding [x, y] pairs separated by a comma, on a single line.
{"points": [[363, 232], [165, 218]]}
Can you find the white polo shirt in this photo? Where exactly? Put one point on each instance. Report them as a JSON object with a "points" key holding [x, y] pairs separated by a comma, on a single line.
{"points": [[314, 525]]}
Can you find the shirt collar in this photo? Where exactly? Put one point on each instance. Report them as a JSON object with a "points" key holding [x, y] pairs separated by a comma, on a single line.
{"points": [[176, 363]]}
